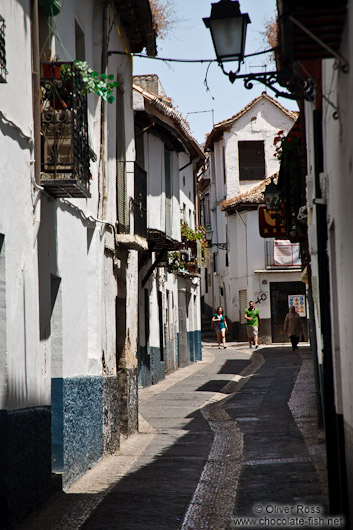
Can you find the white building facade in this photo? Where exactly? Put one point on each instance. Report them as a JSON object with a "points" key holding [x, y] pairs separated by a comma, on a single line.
{"points": [[170, 318], [68, 248], [243, 266]]}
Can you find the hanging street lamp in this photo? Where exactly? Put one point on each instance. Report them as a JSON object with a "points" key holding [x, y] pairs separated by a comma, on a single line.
{"points": [[228, 31]]}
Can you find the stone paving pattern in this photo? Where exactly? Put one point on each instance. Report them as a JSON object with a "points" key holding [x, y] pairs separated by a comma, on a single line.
{"points": [[216, 438]]}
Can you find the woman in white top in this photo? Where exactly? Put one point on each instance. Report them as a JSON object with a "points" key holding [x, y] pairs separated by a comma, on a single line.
{"points": [[293, 327]]}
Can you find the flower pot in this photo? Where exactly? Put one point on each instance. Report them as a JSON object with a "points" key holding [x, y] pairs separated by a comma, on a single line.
{"points": [[191, 267]]}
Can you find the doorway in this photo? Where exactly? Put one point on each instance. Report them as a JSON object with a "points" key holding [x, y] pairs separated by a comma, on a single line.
{"points": [[279, 308]]}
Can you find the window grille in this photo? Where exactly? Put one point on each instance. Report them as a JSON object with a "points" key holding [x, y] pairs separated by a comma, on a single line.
{"points": [[140, 201], [3, 70]]}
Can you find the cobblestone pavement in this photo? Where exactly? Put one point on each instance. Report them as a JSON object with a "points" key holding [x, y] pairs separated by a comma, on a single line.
{"points": [[217, 438]]}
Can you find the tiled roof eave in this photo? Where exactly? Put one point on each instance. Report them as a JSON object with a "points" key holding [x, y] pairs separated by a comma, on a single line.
{"points": [[171, 113], [254, 196]]}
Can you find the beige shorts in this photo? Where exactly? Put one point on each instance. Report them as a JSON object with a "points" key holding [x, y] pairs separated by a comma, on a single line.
{"points": [[252, 331]]}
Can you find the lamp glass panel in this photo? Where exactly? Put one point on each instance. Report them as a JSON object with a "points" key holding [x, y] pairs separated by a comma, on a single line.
{"points": [[227, 35]]}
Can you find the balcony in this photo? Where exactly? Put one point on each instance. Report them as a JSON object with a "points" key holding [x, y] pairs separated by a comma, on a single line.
{"points": [[65, 168], [282, 254]]}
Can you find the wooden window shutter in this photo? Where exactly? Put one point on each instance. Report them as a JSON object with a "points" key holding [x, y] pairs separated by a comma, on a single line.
{"points": [[121, 191]]}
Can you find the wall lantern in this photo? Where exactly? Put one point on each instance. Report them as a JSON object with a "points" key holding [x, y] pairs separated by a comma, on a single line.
{"points": [[208, 236], [228, 31], [271, 194]]}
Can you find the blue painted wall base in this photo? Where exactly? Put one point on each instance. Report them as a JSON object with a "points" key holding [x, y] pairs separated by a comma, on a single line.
{"points": [[151, 367], [194, 341], [78, 428]]}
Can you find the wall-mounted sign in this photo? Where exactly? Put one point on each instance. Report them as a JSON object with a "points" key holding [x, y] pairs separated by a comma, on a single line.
{"points": [[271, 224], [298, 301]]}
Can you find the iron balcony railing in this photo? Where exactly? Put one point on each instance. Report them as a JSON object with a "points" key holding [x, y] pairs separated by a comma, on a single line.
{"points": [[65, 168], [3, 70]]}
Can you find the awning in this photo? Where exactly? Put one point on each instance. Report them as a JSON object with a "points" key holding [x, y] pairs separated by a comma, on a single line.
{"points": [[298, 19]]}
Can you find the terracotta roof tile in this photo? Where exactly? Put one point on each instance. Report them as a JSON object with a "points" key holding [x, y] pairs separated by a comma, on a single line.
{"points": [[254, 195], [163, 105]]}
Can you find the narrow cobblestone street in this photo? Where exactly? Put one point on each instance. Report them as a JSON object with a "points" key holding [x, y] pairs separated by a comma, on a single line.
{"points": [[216, 439]]}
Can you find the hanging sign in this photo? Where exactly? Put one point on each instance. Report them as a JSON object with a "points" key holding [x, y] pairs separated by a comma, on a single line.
{"points": [[298, 301], [271, 224]]}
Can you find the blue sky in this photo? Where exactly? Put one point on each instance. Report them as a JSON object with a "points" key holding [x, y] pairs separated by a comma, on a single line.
{"points": [[184, 83]]}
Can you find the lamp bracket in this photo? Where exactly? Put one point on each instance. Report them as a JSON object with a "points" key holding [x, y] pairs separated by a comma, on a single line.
{"points": [[221, 246], [297, 89]]}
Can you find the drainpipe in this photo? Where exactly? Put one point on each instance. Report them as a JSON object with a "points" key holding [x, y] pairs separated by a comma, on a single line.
{"points": [[36, 90], [246, 246], [36, 150], [186, 165]]}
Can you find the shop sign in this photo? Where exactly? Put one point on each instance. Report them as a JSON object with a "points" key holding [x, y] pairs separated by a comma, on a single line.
{"points": [[271, 224]]}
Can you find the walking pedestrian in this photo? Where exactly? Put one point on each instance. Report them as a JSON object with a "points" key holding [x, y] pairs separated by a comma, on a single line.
{"points": [[220, 326], [253, 321], [293, 327]]}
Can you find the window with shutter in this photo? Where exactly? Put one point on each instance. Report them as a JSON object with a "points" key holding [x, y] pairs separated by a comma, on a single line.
{"points": [[122, 204], [251, 160], [168, 192], [243, 304]]}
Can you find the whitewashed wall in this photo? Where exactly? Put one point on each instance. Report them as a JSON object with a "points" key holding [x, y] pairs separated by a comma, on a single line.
{"points": [[337, 136], [21, 360], [246, 248], [186, 187], [312, 228], [261, 123]]}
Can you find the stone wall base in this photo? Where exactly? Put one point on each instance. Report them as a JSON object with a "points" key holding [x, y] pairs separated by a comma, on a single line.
{"points": [[128, 400]]}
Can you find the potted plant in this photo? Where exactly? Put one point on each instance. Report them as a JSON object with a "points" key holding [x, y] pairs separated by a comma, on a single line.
{"points": [[87, 80], [190, 237]]}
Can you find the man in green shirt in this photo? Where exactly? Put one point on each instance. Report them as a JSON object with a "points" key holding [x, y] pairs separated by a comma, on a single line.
{"points": [[253, 321]]}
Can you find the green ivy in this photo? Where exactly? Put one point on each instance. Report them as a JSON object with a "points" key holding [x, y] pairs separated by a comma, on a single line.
{"points": [[103, 84]]}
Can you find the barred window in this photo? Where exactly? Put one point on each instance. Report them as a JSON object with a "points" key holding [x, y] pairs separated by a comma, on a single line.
{"points": [[3, 70]]}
